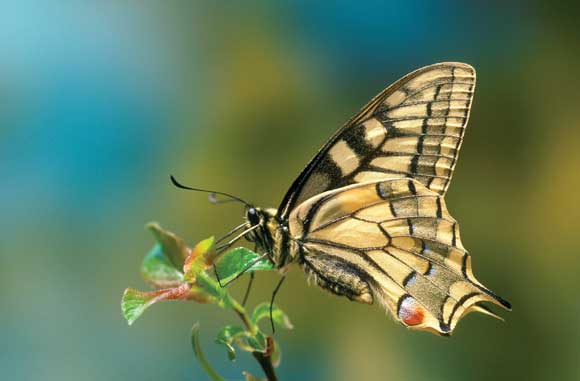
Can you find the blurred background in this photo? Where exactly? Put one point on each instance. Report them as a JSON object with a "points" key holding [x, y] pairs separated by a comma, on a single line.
{"points": [[101, 101]]}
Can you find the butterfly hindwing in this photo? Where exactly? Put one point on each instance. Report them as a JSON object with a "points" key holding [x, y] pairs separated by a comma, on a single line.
{"points": [[413, 129], [395, 242]]}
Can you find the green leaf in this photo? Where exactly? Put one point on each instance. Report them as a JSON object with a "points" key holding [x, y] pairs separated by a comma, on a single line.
{"points": [[197, 261], [201, 356], [245, 340], [134, 302], [238, 260], [172, 246], [228, 336], [257, 342], [158, 270], [262, 311], [231, 335]]}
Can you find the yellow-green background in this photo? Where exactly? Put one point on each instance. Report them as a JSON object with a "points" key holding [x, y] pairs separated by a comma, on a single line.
{"points": [[100, 101]]}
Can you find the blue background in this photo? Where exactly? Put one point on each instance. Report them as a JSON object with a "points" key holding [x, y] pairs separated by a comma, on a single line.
{"points": [[100, 101]]}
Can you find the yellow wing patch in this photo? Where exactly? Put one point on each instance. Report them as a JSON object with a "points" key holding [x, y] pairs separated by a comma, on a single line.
{"points": [[395, 242], [414, 128]]}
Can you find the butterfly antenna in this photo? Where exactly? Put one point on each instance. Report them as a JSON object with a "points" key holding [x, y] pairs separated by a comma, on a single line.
{"points": [[248, 289], [272, 302], [212, 194], [214, 200]]}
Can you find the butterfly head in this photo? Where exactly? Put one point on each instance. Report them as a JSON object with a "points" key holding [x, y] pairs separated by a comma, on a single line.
{"points": [[256, 222], [253, 215], [264, 231]]}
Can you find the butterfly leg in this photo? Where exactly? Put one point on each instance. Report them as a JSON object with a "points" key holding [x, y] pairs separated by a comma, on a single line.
{"points": [[248, 289], [245, 270], [272, 301], [250, 282], [217, 276]]}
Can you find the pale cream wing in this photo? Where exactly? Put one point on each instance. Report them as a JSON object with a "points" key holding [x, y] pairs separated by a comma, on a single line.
{"points": [[392, 241], [413, 129]]}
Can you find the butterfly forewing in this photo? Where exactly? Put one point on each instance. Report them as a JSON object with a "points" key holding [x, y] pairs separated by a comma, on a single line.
{"points": [[395, 242], [413, 129]]}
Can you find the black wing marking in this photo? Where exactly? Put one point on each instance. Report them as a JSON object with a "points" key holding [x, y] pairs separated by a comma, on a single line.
{"points": [[413, 129]]}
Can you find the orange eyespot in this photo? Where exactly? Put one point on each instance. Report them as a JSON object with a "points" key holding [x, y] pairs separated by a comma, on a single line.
{"points": [[410, 312]]}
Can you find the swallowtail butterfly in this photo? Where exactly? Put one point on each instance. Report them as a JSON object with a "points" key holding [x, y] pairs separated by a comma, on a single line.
{"points": [[367, 219]]}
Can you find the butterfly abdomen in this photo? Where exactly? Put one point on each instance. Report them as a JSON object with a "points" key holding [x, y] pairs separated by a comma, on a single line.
{"points": [[337, 277]]}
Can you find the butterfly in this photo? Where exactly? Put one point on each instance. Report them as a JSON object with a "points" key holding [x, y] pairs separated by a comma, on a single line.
{"points": [[367, 219]]}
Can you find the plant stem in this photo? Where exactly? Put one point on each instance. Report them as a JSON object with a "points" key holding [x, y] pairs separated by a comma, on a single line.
{"points": [[266, 364], [264, 359], [200, 356]]}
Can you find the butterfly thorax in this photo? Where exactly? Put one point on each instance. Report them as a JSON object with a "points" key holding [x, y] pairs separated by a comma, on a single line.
{"points": [[271, 236]]}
